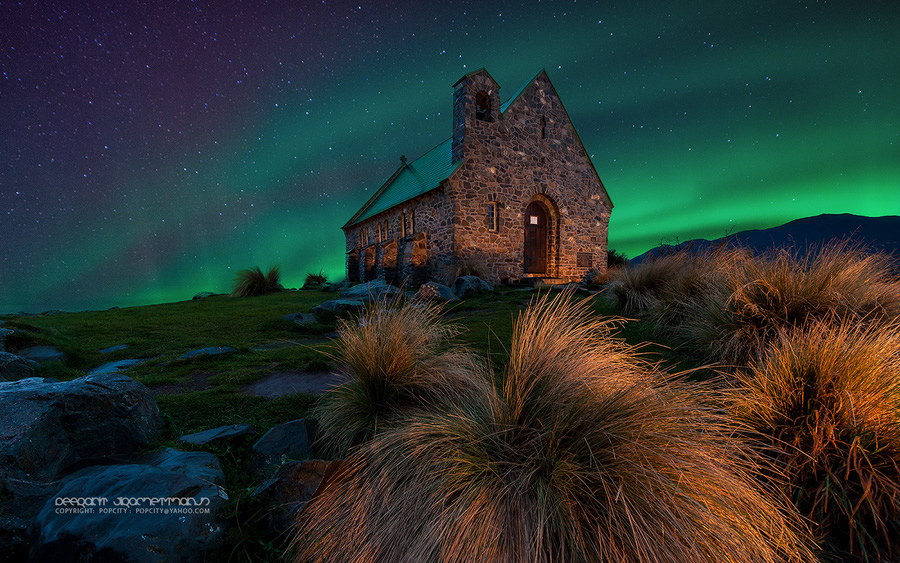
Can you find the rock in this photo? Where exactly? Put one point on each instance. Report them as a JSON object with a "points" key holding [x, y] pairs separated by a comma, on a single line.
{"points": [[291, 440], [42, 354], [209, 351], [466, 286], [113, 349], [202, 295], [47, 426], [115, 367], [335, 287], [221, 433], [371, 291], [15, 367], [301, 319], [434, 290], [289, 489], [329, 309], [4, 332], [162, 507]]}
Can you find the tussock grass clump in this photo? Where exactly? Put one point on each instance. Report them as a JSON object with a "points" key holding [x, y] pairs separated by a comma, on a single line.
{"points": [[251, 282], [314, 280], [580, 451], [827, 400], [635, 290], [397, 359], [755, 299]]}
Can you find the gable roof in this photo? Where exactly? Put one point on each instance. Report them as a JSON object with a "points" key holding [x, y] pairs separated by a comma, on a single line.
{"points": [[410, 180], [429, 170]]}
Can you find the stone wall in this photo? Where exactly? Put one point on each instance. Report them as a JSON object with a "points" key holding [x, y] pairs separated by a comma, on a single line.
{"points": [[400, 258]]}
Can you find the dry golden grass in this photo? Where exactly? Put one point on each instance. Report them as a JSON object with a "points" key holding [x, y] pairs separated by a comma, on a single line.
{"points": [[580, 451], [827, 400], [635, 290], [752, 300], [397, 359]]}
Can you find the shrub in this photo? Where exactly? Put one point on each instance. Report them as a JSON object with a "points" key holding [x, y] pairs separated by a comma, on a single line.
{"points": [[315, 280], [757, 298], [615, 259], [248, 283], [580, 451], [396, 358], [827, 401]]}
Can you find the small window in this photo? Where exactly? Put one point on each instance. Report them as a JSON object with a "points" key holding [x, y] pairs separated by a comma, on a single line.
{"points": [[483, 106], [584, 259], [403, 224], [543, 127], [493, 219], [533, 219], [412, 222]]}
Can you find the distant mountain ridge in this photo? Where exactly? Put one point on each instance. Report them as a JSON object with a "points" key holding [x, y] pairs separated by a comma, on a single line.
{"points": [[877, 233]]}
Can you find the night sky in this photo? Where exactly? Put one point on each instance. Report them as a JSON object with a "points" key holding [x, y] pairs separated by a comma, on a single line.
{"points": [[147, 152]]}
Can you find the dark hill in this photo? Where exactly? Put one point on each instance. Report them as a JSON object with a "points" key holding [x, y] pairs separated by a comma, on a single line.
{"points": [[877, 233]]}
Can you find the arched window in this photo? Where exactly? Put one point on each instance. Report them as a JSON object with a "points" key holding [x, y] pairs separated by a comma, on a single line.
{"points": [[483, 106]]}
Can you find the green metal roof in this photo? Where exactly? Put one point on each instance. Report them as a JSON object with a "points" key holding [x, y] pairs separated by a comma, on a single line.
{"points": [[419, 176], [410, 180]]}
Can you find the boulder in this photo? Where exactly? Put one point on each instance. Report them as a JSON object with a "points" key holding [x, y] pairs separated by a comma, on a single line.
{"points": [[301, 319], [202, 295], [329, 309], [292, 440], [371, 291], [208, 351], [162, 507], [466, 286], [289, 489], [433, 290], [222, 433], [48, 427], [15, 367], [42, 354]]}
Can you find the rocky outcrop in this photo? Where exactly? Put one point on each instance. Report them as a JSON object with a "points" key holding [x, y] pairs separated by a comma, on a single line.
{"points": [[330, 309], [434, 291], [289, 441], [162, 507], [289, 489], [42, 354], [467, 286], [301, 319], [371, 291], [14, 367], [208, 351]]}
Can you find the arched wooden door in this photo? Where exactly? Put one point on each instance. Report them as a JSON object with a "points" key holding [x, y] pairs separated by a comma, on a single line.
{"points": [[535, 239]]}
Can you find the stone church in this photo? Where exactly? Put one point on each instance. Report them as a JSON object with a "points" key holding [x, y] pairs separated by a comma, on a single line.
{"points": [[513, 189]]}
